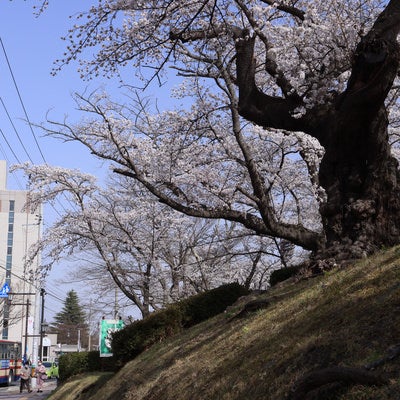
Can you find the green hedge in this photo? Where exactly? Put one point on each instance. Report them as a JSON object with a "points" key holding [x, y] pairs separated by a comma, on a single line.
{"points": [[71, 364], [280, 275], [205, 305], [139, 336]]}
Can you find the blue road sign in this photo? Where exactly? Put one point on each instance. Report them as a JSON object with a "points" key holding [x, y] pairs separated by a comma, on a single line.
{"points": [[4, 290]]}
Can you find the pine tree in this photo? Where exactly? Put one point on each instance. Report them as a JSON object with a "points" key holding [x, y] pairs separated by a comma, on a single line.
{"points": [[70, 323]]}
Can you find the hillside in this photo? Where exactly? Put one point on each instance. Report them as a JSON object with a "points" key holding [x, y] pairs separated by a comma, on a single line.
{"points": [[346, 318]]}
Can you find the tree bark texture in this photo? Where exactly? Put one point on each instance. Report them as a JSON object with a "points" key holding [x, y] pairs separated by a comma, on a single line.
{"points": [[358, 172]]}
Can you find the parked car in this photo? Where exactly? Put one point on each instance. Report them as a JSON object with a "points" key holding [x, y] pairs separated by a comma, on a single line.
{"points": [[51, 369]]}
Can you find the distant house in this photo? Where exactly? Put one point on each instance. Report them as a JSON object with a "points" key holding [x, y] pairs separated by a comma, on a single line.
{"points": [[52, 350], [68, 348], [50, 347]]}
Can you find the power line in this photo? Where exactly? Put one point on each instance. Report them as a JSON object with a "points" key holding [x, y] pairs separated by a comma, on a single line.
{"points": [[29, 122], [15, 130], [18, 276], [21, 142], [20, 99], [2, 150], [9, 146], [51, 310], [54, 296]]}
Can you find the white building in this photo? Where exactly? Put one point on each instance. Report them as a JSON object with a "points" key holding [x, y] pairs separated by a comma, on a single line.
{"points": [[20, 227]]}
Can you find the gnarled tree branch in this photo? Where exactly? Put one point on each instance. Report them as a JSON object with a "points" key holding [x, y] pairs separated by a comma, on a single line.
{"points": [[264, 110], [376, 62], [296, 12], [297, 234]]}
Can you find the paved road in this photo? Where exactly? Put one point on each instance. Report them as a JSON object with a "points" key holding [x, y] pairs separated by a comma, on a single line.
{"points": [[12, 392]]}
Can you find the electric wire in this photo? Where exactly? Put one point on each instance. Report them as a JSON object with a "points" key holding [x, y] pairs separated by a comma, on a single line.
{"points": [[48, 292], [47, 308], [50, 309], [53, 296], [9, 146], [18, 276], [15, 130], [3, 152], [30, 125], [20, 99]]}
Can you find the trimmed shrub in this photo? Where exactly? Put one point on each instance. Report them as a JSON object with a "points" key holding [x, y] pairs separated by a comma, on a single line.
{"points": [[72, 364], [97, 363], [76, 363], [139, 336], [280, 275], [208, 304]]}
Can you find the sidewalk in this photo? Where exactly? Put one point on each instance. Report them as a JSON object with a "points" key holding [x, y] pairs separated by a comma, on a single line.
{"points": [[12, 392]]}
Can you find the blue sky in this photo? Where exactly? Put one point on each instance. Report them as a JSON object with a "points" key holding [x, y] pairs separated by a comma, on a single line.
{"points": [[31, 45]]}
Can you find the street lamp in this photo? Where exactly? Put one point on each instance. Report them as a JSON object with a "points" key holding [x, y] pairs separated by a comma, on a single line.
{"points": [[43, 330]]}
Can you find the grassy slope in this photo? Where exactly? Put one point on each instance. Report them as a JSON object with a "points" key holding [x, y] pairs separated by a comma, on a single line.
{"points": [[348, 318]]}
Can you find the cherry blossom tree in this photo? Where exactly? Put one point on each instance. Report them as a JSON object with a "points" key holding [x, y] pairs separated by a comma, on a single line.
{"points": [[201, 173], [152, 254], [318, 74]]}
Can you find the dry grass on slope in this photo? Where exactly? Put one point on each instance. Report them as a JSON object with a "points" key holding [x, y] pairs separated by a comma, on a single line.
{"points": [[346, 318]]}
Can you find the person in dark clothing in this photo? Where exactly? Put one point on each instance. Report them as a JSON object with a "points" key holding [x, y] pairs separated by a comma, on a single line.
{"points": [[25, 378]]}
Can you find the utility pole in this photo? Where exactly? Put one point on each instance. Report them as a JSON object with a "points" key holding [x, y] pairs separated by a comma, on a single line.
{"points": [[27, 304], [116, 303], [90, 324], [42, 293], [26, 329]]}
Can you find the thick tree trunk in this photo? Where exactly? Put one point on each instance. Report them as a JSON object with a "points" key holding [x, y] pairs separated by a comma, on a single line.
{"points": [[361, 180], [358, 173]]}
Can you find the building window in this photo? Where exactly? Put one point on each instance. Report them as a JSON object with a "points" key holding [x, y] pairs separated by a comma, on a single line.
{"points": [[10, 236]]}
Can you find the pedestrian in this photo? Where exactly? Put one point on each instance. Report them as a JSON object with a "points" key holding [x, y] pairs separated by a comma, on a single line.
{"points": [[25, 378], [41, 376]]}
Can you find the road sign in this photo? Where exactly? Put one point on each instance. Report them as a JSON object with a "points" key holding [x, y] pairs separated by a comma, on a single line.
{"points": [[4, 290]]}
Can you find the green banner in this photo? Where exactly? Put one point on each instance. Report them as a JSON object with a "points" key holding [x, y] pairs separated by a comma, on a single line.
{"points": [[107, 328]]}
